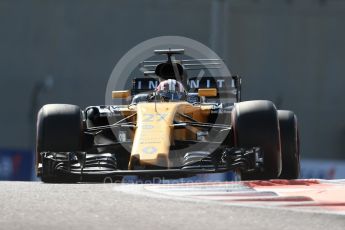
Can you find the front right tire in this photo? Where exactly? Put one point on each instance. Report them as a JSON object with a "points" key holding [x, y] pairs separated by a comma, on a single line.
{"points": [[59, 130]]}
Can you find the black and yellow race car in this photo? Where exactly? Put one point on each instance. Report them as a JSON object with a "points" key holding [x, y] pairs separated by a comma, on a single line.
{"points": [[171, 126]]}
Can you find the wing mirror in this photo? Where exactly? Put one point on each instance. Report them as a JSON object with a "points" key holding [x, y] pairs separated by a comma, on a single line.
{"points": [[209, 92], [120, 94]]}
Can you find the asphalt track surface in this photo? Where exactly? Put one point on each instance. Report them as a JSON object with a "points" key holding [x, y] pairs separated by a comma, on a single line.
{"points": [[34, 205]]}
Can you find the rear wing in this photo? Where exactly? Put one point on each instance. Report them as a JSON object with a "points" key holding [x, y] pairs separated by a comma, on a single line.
{"points": [[227, 87]]}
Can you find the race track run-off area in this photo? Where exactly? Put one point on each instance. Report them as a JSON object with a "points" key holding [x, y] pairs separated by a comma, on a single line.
{"points": [[266, 205], [308, 195]]}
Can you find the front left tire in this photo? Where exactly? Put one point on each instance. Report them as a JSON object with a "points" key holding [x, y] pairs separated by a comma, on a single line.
{"points": [[289, 137], [255, 124]]}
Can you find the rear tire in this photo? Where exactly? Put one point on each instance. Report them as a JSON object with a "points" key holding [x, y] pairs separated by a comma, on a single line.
{"points": [[59, 129], [290, 144], [255, 124]]}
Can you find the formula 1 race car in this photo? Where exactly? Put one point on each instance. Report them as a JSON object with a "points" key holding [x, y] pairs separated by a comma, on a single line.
{"points": [[173, 126]]}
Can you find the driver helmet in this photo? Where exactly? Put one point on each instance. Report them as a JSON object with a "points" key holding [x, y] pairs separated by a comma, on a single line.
{"points": [[171, 90]]}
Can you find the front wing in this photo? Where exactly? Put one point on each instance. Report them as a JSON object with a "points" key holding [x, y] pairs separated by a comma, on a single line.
{"points": [[85, 167]]}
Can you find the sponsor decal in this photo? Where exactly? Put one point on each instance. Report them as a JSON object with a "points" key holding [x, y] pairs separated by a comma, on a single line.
{"points": [[220, 83], [150, 150]]}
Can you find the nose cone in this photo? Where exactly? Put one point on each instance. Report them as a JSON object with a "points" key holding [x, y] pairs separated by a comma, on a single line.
{"points": [[153, 134]]}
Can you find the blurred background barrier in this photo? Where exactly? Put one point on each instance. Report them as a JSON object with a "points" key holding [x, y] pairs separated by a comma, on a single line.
{"points": [[287, 51], [323, 169], [16, 165]]}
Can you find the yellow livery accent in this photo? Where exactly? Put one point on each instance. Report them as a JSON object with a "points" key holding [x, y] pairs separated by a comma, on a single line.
{"points": [[120, 94], [209, 92], [152, 138]]}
